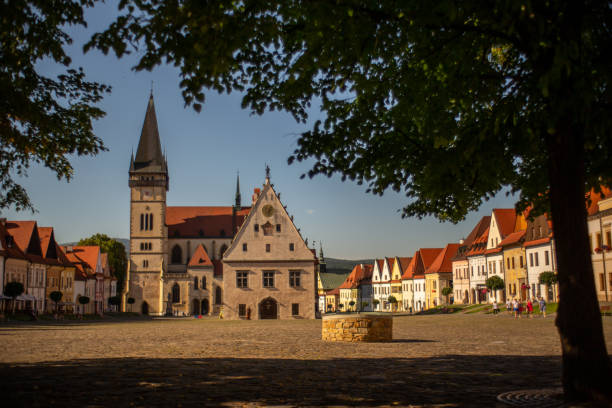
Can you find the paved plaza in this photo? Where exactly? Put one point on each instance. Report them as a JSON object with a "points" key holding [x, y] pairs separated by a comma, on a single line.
{"points": [[439, 360]]}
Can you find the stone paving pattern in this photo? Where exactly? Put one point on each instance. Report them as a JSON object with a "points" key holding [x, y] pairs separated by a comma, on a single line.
{"points": [[440, 360]]}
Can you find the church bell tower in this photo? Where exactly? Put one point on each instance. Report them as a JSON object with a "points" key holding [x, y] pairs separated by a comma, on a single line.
{"points": [[149, 182]]}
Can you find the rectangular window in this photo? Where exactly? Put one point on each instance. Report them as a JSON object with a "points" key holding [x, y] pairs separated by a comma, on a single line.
{"points": [[537, 261], [244, 247], [608, 234], [294, 279], [242, 280], [295, 309], [521, 261], [598, 237], [546, 258], [291, 247], [472, 271], [512, 262], [591, 242], [601, 281], [267, 247], [242, 310], [256, 227], [268, 279], [278, 228], [508, 263], [530, 259]]}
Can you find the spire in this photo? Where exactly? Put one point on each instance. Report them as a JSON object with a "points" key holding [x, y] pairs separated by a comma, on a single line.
{"points": [[267, 174], [321, 258], [132, 161], [238, 202], [149, 155]]}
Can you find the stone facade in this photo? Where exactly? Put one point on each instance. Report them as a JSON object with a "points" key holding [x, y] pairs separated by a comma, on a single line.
{"points": [[357, 328], [234, 261]]}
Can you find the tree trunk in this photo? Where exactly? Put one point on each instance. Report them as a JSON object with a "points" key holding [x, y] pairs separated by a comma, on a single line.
{"points": [[587, 373]]}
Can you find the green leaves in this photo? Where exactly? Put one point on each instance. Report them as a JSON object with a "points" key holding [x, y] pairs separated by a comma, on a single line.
{"points": [[42, 119], [446, 103]]}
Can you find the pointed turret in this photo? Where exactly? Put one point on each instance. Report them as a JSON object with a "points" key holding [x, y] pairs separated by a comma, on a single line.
{"points": [[149, 156], [238, 199], [322, 264]]}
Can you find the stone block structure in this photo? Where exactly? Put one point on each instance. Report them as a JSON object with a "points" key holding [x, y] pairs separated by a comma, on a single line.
{"points": [[357, 328]]}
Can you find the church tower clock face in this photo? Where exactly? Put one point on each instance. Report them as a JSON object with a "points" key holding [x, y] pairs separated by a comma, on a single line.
{"points": [[267, 210]]}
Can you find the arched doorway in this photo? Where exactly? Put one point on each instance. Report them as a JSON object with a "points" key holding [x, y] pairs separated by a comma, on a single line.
{"points": [[196, 307], [204, 306], [466, 297], [144, 309], [268, 309]]}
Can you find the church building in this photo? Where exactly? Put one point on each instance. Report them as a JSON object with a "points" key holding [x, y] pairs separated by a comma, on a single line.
{"points": [[235, 261]]}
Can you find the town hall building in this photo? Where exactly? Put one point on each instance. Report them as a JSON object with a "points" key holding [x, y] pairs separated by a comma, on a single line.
{"points": [[234, 261]]}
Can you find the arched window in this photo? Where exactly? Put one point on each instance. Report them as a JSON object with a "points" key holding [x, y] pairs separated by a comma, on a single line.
{"points": [[222, 251], [195, 283], [203, 282], [177, 254], [218, 300], [176, 293], [141, 222], [150, 222]]}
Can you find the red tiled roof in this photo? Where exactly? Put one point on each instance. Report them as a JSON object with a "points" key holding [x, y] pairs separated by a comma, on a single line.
{"points": [[87, 254], [25, 235], [416, 263], [200, 258], [61, 256], [479, 247], [203, 221], [537, 242], [476, 232], [360, 274], [513, 238], [333, 292], [404, 262], [506, 218], [493, 250], [381, 264], [13, 250], [593, 207], [442, 263], [428, 255]]}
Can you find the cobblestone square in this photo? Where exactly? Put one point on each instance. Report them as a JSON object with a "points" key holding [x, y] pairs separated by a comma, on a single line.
{"points": [[439, 360]]}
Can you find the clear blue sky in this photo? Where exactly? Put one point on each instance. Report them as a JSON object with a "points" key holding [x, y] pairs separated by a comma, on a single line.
{"points": [[204, 153]]}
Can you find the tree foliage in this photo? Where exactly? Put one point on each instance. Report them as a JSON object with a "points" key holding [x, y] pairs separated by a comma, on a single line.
{"points": [[413, 95], [447, 102], [495, 283], [56, 296], [83, 300], [43, 119], [548, 278], [13, 289], [117, 257], [447, 291]]}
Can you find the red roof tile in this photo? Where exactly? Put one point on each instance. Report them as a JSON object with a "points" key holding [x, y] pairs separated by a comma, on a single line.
{"points": [[203, 221], [84, 254], [537, 242], [513, 238], [594, 198], [200, 258], [478, 230], [359, 275], [404, 263], [506, 218], [11, 250], [428, 255], [442, 263], [479, 246], [333, 292], [416, 263]]}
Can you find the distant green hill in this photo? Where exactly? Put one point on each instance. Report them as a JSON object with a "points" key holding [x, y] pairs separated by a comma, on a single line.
{"points": [[344, 264]]}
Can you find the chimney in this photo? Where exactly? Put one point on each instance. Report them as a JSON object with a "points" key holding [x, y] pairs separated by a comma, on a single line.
{"points": [[461, 241], [69, 248]]}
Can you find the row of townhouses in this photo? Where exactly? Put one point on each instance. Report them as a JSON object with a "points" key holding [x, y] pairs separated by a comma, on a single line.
{"points": [[505, 244], [29, 254]]}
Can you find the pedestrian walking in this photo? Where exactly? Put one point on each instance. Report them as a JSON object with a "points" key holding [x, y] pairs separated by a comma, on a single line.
{"points": [[509, 306], [542, 305], [530, 308], [520, 309], [495, 307]]}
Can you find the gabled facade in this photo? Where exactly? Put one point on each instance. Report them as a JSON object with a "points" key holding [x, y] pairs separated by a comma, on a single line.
{"points": [[539, 256], [460, 263], [477, 266], [25, 236], [397, 286], [517, 286], [503, 223], [439, 275], [377, 288], [268, 267], [600, 237]]}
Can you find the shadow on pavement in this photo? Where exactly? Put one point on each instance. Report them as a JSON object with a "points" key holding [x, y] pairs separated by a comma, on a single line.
{"points": [[452, 380]]}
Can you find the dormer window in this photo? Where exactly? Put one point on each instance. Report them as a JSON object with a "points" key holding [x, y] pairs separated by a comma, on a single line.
{"points": [[256, 227], [267, 228], [278, 228]]}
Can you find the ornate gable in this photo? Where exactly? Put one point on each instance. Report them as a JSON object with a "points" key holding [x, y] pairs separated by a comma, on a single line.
{"points": [[268, 234]]}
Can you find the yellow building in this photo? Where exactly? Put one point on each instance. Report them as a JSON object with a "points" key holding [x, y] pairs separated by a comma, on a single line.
{"points": [[439, 275], [515, 270], [400, 265]]}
